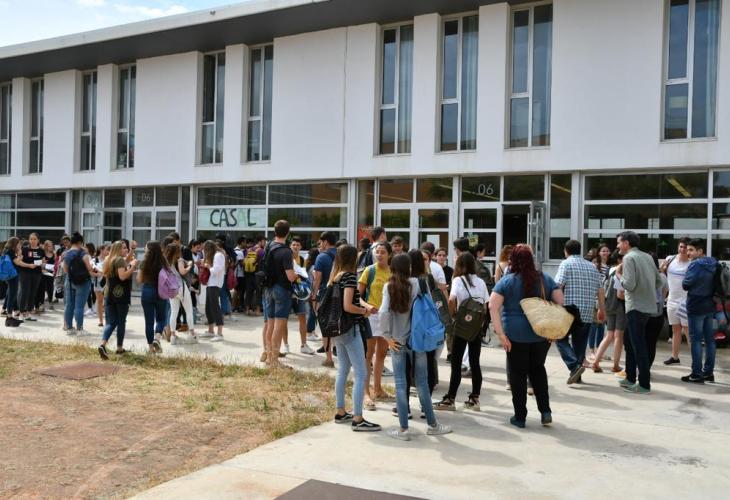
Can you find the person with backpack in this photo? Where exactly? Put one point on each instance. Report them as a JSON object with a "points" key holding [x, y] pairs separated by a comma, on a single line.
{"points": [[365, 257], [300, 298], [214, 261], [370, 288], [468, 305], [153, 305], [526, 350], [180, 269], [615, 317], [9, 274], [117, 295], [703, 282], [29, 264], [398, 319], [320, 277], [350, 350], [78, 268]]}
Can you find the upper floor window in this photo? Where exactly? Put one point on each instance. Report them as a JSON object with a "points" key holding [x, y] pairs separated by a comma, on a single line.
{"points": [[214, 76], [396, 101], [6, 95], [690, 86], [125, 128], [35, 165], [88, 122], [459, 84], [259, 104], [532, 34]]}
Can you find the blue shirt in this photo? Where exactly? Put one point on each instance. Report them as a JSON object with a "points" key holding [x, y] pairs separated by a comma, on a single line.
{"points": [[581, 282], [514, 321], [324, 264]]}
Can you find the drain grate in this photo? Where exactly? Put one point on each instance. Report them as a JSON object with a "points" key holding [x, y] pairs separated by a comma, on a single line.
{"points": [[330, 491], [79, 371]]}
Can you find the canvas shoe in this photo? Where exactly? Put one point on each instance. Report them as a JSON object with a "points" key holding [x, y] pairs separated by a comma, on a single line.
{"points": [[217, 338], [438, 430], [342, 419], [305, 349], [398, 433], [365, 426]]}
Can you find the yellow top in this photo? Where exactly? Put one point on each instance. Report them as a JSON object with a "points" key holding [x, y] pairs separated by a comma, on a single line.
{"points": [[382, 275]]}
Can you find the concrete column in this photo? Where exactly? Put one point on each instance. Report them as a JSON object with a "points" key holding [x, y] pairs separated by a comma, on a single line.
{"points": [[235, 115], [20, 126], [426, 86], [62, 126], [106, 109]]}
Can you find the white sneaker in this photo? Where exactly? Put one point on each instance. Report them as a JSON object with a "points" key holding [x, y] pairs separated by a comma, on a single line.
{"points": [[158, 337], [191, 339], [80, 332], [286, 349], [397, 433], [70, 331], [174, 340], [438, 430], [312, 337], [205, 335], [217, 338], [305, 349], [88, 313], [387, 372]]}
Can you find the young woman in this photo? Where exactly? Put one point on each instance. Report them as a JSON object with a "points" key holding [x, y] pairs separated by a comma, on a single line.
{"points": [[350, 351], [10, 306], [395, 317], [45, 290], [503, 264], [370, 287], [595, 336], [181, 268], [300, 307], [442, 258], [398, 245], [525, 349], [311, 318], [153, 306], [29, 264], [215, 261], [615, 317], [464, 285], [76, 294], [117, 295], [98, 262], [420, 264]]}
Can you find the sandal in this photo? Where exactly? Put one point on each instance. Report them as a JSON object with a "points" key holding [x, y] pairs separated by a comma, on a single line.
{"points": [[596, 368], [385, 397], [121, 351], [369, 405]]}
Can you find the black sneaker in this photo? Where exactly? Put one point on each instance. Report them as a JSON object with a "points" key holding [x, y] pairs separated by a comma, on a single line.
{"points": [[546, 418], [321, 350], [448, 358], [365, 426], [102, 352], [694, 379], [575, 374], [709, 378], [342, 419], [11, 322], [671, 361], [517, 423]]}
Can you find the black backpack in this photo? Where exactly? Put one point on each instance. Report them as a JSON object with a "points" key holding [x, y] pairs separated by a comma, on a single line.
{"points": [[331, 316], [470, 317], [77, 272], [264, 274]]}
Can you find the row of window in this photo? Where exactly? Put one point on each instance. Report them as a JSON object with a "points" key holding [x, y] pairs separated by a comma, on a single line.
{"points": [[690, 90]]}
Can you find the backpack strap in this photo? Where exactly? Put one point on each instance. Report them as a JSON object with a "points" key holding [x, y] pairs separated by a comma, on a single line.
{"points": [[466, 287], [423, 286], [371, 277]]}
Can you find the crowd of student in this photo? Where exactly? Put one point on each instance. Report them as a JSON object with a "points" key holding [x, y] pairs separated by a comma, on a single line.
{"points": [[618, 300]]}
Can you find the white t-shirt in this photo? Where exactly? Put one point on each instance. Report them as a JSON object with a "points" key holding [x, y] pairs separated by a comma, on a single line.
{"points": [[478, 291], [675, 275], [438, 273]]}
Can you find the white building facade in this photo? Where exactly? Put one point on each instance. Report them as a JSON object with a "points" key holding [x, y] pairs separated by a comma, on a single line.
{"points": [[502, 121]]}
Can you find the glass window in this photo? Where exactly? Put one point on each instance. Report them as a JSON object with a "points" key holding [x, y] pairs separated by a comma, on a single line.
{"points": [[7, 219], [459, 84], [142, 219], [125, 128], [88, 122], [524, 188], [395, 218], [35, 165], [721, 246], [530, 101], [6, 95], [721, 216], [143, 197], [690, 90], [678, 217], [229, 196], [166, 197], [646, 186], [48, 218], [396, 191], [214, 67], [365, 203], [434, 190], [166, 220], [92, 199], [42, 200], [259, 109], [7, 201], [433, 218], [114, 198], [721, 184], [560, 203], [305, 194], [323, 217], [396, 90], [480, 188], [660, 243], [480, 219]]}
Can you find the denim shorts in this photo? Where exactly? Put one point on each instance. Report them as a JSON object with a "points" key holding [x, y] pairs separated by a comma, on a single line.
{"points": [[277, 303], [299, 307]]}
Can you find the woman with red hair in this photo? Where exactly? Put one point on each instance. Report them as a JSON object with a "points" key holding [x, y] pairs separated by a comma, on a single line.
{"points": [[526, 351]]}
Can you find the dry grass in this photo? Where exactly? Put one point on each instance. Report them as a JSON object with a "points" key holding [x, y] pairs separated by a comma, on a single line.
{"points": [[172, 415]]}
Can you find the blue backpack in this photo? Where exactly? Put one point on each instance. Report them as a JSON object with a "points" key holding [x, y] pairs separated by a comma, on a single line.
{"points": [[7, 268], [427, 330]]}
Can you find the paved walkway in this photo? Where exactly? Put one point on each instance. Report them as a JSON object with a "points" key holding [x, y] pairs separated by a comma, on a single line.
{"points": [[604, 444]]}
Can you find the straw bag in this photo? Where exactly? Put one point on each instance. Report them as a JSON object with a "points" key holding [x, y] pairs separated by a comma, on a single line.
{"points": [[548, 319]]}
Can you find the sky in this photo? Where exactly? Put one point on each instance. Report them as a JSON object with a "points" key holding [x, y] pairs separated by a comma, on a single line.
{"points": [[28, 20]]}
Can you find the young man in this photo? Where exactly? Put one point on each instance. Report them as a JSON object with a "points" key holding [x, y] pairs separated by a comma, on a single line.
{"points": [[699, 283], [277, 294], [675, 267], [320, 276], [581, 284], [640, 280], [299, 306], [377, 234], [436, 270]]}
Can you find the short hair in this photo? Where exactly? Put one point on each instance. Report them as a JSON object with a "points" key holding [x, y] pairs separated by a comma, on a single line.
{"points": [[572, 247], [376, 232], [76, 238], [341, 242], [240, 240], [281, 228], [174, 235], [480, 247], [698, 243], [429, 247], [329, 237], [194, 242], [629, 237], [684, 239], [296, 239], [462, 244], [260, 237]]}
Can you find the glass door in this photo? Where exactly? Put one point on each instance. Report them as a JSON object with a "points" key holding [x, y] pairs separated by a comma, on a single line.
{"points": [[481, 223], [536, 229]]}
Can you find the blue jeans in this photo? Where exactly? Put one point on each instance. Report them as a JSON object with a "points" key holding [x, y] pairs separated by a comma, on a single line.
{"points": [[154, 312], [11, 295], [74, 300], [350, 353], [116, 317], [574, 355], [596, 335], [311, 319], [700, 328], [637, 353], [225, 299], [277, 302], [420, 376]]}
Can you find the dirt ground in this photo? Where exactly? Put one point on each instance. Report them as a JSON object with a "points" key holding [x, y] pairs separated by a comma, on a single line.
{"points": [[154, 420]]}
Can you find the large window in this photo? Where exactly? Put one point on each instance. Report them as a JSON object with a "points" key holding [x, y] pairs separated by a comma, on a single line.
{"points": [[690, 86], [214, 75], [529, 104], [88, 122], [25, 213], [259, 106], [125, 129], [6, 95], [35, 165], [459, 84], [396, 93]]}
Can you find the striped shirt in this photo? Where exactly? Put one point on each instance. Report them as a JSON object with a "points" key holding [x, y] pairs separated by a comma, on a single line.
{"points": [[581, 281]]}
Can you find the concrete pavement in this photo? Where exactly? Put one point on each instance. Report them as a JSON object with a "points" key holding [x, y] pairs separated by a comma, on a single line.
{"points": [[604, 443]]}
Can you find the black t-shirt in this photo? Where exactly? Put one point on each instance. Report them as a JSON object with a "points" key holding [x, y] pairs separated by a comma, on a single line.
{"points": [[30, 256], [448, 273], [186, 253], [281, 260], [118, 291], [349, 280]]}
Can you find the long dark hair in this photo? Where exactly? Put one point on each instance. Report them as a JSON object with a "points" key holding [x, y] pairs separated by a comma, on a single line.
{"points": [[522, 263], [418, 268], [465, 266], [345, 262], [399, 288], [153, 262], [12, 244], [172, 254]]}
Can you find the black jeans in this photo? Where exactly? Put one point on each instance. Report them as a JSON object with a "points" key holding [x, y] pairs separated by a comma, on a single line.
{"points": [[213, 311], [29, 283], [457, 352], [637, 356], [252, 295], [528, 359], [653, 329]]}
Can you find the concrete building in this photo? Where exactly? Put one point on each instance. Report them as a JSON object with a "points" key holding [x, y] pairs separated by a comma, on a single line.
{"points": [[503, 121]]}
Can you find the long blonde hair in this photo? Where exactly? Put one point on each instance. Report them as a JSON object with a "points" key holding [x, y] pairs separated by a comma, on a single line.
{"points": [[345, 261], [115, 251]]}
